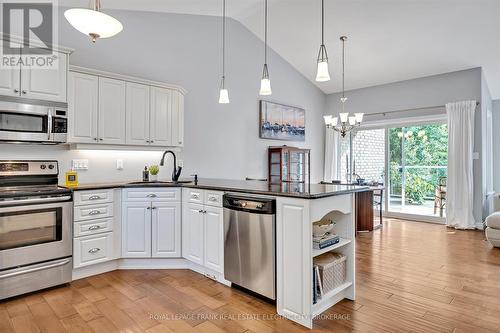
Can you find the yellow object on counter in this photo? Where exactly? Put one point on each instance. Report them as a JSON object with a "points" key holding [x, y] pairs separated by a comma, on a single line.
{"points": [[71, 179]]}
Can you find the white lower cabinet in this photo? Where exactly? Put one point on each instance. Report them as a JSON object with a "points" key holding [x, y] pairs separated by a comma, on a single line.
{"points": [[150, 227], [136, 229], [89, 250], [93, 228], [203, 232]]}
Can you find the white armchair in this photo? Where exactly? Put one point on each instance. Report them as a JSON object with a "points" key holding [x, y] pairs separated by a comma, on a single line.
{"points": [[493, 223]]}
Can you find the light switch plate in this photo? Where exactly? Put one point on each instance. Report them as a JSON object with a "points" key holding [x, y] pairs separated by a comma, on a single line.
{"points": [[119, 164], [475, 156], [80, 164]]}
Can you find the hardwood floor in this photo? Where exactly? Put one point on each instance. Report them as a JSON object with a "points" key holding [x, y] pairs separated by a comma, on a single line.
{"points": [[412, 277]]}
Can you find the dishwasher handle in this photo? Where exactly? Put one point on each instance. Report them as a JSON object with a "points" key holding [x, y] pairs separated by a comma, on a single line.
{"points": [[249, 204]]}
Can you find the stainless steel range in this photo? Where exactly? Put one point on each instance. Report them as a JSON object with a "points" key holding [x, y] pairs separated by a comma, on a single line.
{"points": [[35, 227]]}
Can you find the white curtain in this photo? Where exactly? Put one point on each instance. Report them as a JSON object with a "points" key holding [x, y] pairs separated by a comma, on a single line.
{"points": [[460, 186], [331, 155]]}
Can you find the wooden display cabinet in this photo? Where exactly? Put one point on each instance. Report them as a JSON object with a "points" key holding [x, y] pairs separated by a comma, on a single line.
{"points": [[289, 164]]}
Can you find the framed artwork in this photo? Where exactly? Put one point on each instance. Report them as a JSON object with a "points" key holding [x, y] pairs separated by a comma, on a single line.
{"points": [[282, 122]]}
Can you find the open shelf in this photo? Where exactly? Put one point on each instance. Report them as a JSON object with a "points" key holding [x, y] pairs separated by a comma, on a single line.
{"points": [[324, 302], [342, 242]]}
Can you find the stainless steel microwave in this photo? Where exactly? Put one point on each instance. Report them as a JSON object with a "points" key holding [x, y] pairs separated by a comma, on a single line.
{"points": [[32, 123]]}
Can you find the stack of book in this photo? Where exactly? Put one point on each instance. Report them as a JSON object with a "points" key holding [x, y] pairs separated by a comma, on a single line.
{"points": [[325, 241]]}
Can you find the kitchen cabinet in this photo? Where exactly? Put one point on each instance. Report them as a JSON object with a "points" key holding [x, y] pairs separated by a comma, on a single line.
{"points": [[83, 90], [111, 111], [94, 233], [151, 223], [161, 117], [166, 222], [203, 229], [192, 232], [136, 229], [37, 83], [137, 112], [46, 84]]}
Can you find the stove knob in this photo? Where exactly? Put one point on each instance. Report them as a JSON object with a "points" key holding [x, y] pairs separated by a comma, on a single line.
{"points": [[259, 206], [51, 166], [243, 204], [43, 166]]}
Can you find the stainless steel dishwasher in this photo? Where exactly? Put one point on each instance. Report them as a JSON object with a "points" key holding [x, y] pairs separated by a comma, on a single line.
{"points": [[250, 243]]}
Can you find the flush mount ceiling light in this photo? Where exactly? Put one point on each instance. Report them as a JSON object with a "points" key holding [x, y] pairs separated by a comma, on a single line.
{"points": [[322, 74], [93, 22], [265, 82], [223, 93], [347, 123]]}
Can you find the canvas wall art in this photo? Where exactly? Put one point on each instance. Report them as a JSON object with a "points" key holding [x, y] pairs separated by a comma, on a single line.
{"points": [[282, 122]]}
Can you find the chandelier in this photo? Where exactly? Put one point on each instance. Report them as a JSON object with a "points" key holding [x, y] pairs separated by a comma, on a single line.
{"points": [[347, 123]]}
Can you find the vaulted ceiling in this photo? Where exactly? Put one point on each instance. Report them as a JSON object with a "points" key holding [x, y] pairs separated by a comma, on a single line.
{"points": [[389, 40]]}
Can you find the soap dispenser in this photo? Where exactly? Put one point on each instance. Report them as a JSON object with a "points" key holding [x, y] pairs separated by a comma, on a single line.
{"points": [[145, 174]]}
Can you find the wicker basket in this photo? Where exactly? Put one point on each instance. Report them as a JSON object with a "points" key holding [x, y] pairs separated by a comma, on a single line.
{"points": [[332, 270]]}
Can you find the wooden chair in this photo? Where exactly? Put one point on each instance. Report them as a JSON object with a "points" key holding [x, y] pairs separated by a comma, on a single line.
{"points": [[440, 196]]}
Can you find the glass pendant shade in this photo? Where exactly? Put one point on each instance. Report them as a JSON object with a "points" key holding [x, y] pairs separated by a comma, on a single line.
{"points": [[223, 96], [93, 23], [322, 74], [343, 117], [335, 121], [352, 120], [265, 87], [359, 117], [328, 119]]}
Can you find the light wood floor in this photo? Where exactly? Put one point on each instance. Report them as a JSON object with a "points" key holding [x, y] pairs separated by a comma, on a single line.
{"points": [[412, 277]]}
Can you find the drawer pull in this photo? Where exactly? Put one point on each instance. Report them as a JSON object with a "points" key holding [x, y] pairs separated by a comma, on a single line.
{"points": [[94, 197], [94, 212], [152, 195], [94, 227], [214, 199], [94, 250], [195, 196]]}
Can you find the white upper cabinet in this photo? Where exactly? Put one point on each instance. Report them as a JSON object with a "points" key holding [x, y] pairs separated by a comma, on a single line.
{"points": [[129, 111], [177, 118], [10, 84], [161, 116], [111, 111], [82, 96], [36, 83], [137, 110], [45, 84]]}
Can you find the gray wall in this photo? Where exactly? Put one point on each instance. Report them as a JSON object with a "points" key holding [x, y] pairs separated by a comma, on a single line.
{"points": [[220, 140], [423, 93]]}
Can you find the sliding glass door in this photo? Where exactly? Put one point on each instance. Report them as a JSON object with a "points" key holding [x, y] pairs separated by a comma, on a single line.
{"points": [[417, 167]]}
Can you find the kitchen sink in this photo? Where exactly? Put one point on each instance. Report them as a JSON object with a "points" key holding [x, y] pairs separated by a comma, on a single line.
{"points": [[158, 182]]}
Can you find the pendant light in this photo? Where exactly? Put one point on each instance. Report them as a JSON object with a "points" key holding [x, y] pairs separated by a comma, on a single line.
{"points": [[322, 74], [223, 93], [347, 123], [265, 82], [93, 22]]}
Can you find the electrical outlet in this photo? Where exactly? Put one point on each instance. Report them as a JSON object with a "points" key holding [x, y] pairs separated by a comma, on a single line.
{"points": [[80, 164], [475, 156], [119, 164], [180, 163]]}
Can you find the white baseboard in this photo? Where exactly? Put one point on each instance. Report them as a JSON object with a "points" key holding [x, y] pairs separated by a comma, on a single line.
{"points": [[148, 263]]}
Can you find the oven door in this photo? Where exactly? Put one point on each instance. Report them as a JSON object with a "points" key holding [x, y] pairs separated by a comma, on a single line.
{"points": [[35, 233]]}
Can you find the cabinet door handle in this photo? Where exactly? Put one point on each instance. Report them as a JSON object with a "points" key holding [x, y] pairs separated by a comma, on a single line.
{"points": [[152, 195], [16, 91], [180, 142], [152, 141], [148, 208], [154, 207], [95, 139], [147, 141], [94, 250], [94, 212], [94, 197], [94, 227], [101, 139], [24, 92]]}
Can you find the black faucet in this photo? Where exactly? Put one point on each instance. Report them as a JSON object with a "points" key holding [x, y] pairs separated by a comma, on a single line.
{"points": [[177, 170]]}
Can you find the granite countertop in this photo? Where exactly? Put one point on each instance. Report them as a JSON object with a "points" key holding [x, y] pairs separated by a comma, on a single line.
{"points": [[297, 190]]}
